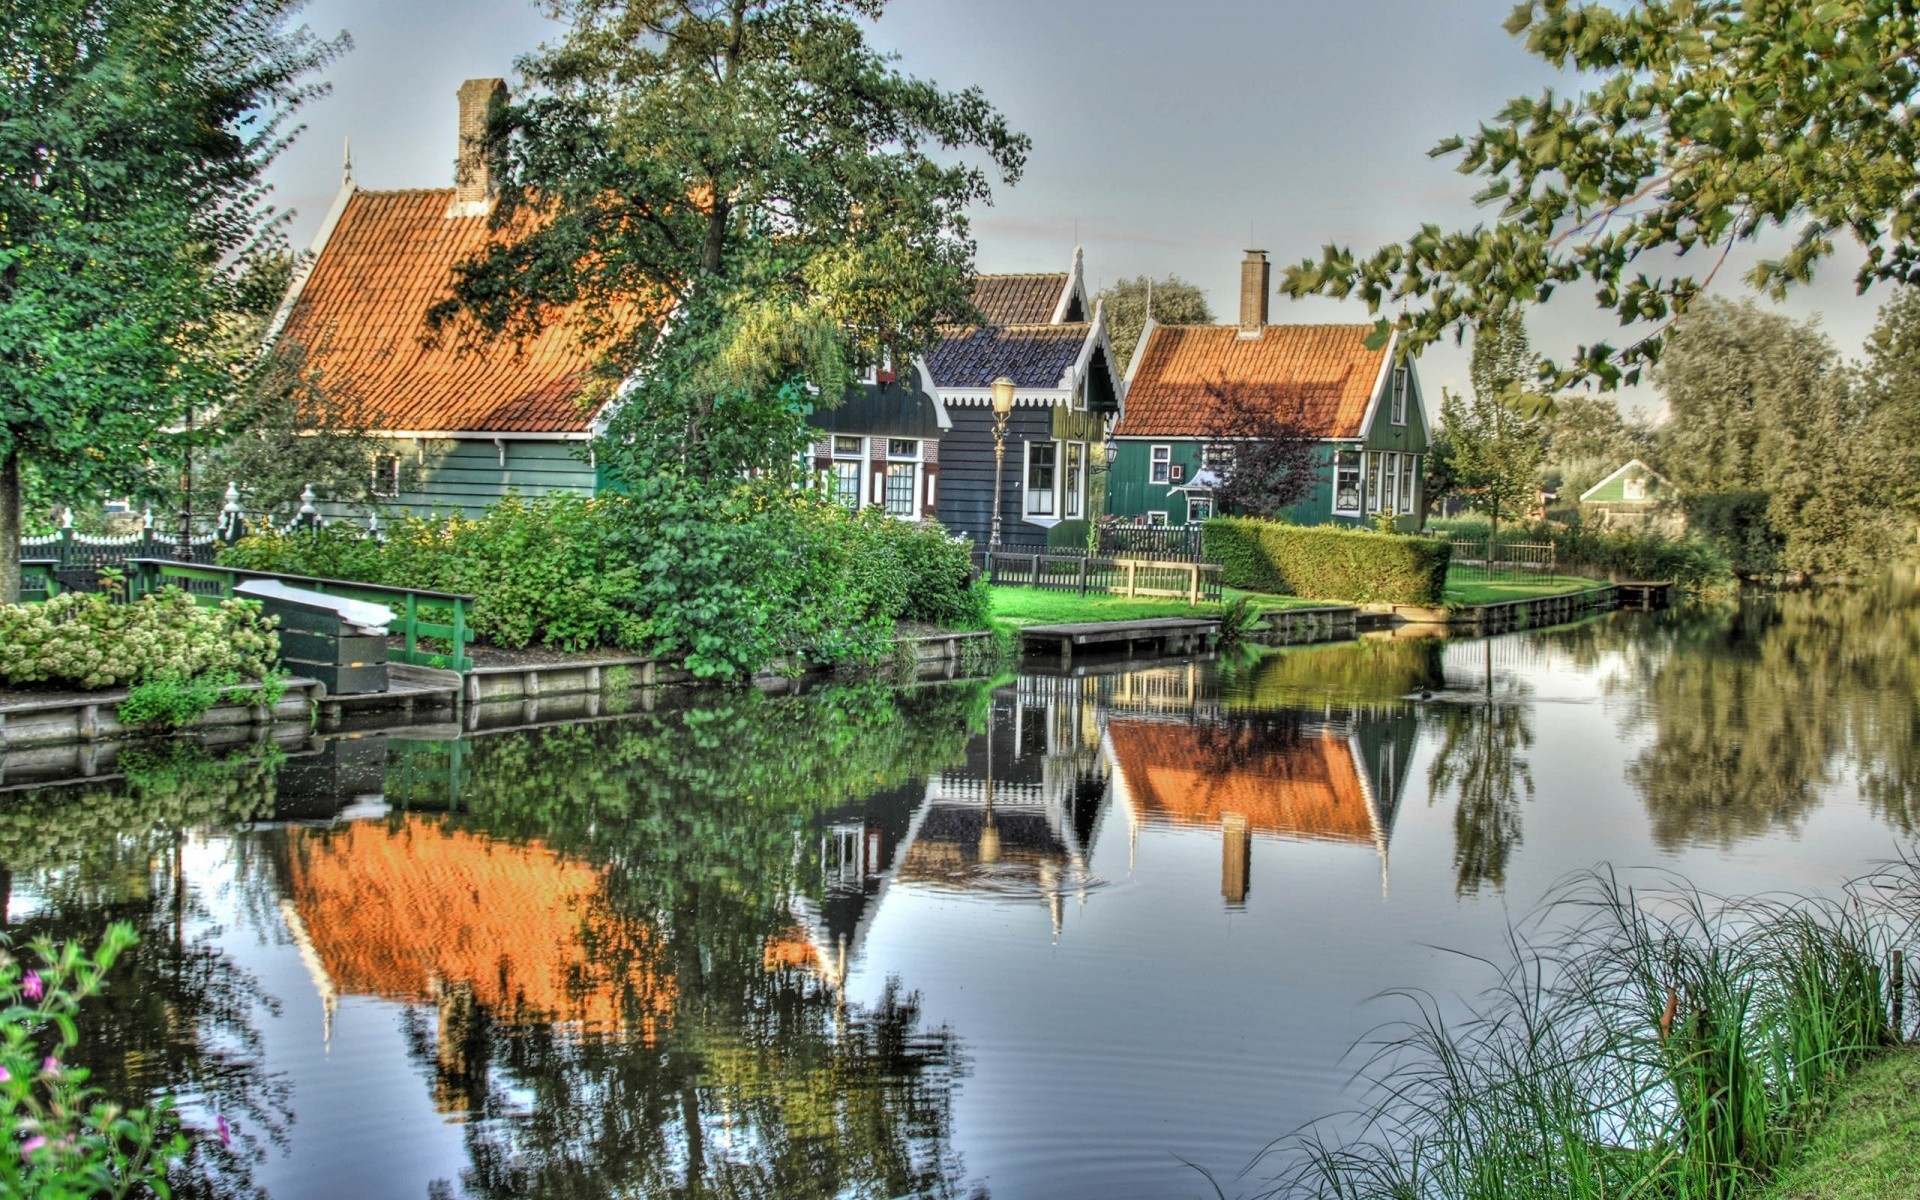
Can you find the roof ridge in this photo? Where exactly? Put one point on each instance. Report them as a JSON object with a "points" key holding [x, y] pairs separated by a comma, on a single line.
{"points": [[416, 191], [1021, 274]]}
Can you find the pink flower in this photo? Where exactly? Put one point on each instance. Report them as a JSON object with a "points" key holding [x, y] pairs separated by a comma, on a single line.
{"points": [[6, 1076], [51, 1066], [31, 987], [30, 1145], [226, 1130]]}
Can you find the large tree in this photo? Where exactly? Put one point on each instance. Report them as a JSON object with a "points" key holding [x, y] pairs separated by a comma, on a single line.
{"points": [[1262, 445], [1491, 456], [1173, 300], [743, 197], [133, 137], [1707, 123]]}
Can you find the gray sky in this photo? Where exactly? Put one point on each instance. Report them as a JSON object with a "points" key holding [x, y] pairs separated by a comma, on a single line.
{"points": [[1171, 135]]}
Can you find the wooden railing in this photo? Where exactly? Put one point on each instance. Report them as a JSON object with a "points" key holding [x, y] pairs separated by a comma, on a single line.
{"points": [[419, 614], [1084, 573], [1151, 541], [37, 580]]}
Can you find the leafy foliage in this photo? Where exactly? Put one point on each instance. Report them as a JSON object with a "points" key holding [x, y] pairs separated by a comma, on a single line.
{"points": [[1490, 454], [1587, 439], [1735, 522], [1327, 561], [135, 134], [64, 1140], [1174, 302], [1263, 444], [1694, 565], [83, 640], [1709, 124]]}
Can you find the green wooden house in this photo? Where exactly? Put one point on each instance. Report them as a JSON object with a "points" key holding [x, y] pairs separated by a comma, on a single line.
{"points": [[1364, 404], [1632, 492]]}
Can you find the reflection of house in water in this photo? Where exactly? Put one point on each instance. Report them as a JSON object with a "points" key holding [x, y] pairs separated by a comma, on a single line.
{"points": [[1331, 775], [417, 910]]}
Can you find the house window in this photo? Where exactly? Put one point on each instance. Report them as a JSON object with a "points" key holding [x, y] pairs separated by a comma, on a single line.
{"points": [[1346, 483], [1199, 508], [1408, 481], [1156, 518], [1073, 495], [1162, 464], [903, 476], [1042, 460], [1401, 385], [386, 475], [1376, 468], [1390, 498], [849, 463], [1635, 487]]}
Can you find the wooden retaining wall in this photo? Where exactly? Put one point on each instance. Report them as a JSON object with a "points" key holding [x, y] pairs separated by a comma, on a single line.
{"points": [[31, 724], [1515, 614], [1302, 626]]}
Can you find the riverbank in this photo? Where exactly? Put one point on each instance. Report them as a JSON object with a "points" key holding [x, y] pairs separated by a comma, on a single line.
{"points": [[1867, 1146]]}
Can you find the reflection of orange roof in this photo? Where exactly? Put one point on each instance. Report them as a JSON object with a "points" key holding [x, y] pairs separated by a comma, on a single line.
{"points": [[1310, 787], [790, 949], [362, 310], [392, 910], [1327, 369]]}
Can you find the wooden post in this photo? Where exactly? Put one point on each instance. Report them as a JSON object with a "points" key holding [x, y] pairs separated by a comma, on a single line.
{"points": [[412, 638], [1236, 859], [1130, 566], [1083, 574], [1193, 583]]}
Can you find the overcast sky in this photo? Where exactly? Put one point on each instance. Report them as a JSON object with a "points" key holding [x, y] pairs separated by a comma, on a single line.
{"points": [[1167, 136]]}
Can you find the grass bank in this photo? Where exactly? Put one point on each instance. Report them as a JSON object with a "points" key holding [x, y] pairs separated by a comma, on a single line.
{"points": [[1498, 591], [1016, 607], [1867, 1147]]}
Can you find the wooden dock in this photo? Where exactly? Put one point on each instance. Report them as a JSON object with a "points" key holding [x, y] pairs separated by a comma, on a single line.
{"points": [[1161, 635], [1646, 595]]}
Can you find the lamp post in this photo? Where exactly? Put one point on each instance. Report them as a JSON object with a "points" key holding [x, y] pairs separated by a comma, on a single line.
{"points": [[1002, 409]]}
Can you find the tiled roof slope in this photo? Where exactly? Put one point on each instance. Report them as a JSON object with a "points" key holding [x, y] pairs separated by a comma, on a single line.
{"points": [[1307, 789], [1018, 299], [1033, 356], [1327, 367], [361, 314]]}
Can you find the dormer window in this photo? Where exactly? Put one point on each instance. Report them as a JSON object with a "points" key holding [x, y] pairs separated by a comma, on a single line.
{"points": [[1402, 384]]}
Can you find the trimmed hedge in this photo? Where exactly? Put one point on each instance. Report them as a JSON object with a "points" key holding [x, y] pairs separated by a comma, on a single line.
{"points": [[1328, 562]]}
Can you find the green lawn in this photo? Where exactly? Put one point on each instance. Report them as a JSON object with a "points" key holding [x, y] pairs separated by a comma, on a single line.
{"points": [[1515, 589], [1017, 606], [1868, 1146]]}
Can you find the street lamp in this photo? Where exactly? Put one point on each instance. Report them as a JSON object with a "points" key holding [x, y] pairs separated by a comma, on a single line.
{"points": [[1002, 409]]}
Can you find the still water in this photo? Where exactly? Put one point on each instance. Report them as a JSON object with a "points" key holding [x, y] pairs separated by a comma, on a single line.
{"points": [[1062, 936]]}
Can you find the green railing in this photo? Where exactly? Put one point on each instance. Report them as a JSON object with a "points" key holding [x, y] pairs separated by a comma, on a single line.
{"points": [[37, 579], [418, 614]]}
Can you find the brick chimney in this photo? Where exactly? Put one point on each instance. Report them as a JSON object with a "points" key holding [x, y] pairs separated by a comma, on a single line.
{"points": [[472, 180], [1254, 276]]}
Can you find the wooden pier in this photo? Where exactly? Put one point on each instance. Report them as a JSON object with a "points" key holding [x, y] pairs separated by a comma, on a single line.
{"points": [[1160, 635], [1646, 595]]}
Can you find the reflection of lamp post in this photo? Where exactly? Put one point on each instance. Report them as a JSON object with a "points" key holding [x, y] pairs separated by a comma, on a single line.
{"points": [[1002, 409], [989, 849]]}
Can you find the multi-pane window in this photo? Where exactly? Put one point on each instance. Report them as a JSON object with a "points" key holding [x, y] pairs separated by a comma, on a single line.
{"points": [[1346, 483], [1390, 498], [386, 475], [1162, 467], [1074, 490], [1402, 384], [1408, 481], [1042, 463], [1376, 469], [903, 476], [849, 465], [1199, 508]]}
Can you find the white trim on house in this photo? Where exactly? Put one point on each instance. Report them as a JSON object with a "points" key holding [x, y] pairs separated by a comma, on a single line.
{"points": [[1140, 348], [304, 269], [1630, 465], [932, 391], [1076, 286], [441, 435], [1030, 397], [1380, 383]]}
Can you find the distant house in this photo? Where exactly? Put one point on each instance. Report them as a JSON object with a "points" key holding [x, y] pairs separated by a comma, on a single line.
{"points": [[1632, 491], [1365, 405], [1039, 334], [461, 427]]}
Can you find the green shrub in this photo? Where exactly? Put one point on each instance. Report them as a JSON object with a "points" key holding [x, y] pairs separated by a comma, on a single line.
{"points": [[940, 588], [83, 640], [1327, 561], [1735, 523], [1695, 565]]}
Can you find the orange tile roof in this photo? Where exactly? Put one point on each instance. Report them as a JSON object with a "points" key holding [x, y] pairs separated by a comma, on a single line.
{"points": [[394, 909], [1019, 299], [1327, 367], [1194, 775], [360, 317]]}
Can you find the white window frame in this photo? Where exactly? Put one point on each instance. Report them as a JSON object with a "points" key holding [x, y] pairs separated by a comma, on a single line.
{"points": [[1409, 482], [1073, 482], [1633, 488], [912, 459], [1376, 470], [1027, 492], [1359, 468], [857, 458], [1206, 500], [1160, 465], [1402, 386], [1390, 493], [386, 470], [1156, 518]]}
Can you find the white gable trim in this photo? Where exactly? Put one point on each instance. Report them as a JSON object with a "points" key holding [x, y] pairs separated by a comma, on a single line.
{"points": [[1380, 384], [1140, 349], [1076, 287], [304, 270], [1630, 465], [940, 414]]}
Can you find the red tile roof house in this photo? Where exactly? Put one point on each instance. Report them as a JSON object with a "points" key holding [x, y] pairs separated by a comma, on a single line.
{"points": [[1068, 392], [462, 426], [1365, 406]]}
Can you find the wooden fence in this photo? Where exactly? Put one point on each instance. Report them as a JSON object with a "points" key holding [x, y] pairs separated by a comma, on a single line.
{"points": [[1085, 573], [1477, 559], [1151, 541], [419, 614]]}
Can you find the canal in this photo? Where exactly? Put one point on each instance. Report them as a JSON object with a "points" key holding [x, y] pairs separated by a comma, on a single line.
{"points": [[1055, 936]]}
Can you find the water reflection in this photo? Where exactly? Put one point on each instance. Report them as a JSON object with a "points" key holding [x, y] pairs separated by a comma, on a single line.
{"points": [[716, 948]]}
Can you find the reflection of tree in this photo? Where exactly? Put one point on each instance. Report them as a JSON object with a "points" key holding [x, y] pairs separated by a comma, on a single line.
{"points": [[762, 1080], [1757, 709], [177, 1012], [1372, 670], [1479, 762]]}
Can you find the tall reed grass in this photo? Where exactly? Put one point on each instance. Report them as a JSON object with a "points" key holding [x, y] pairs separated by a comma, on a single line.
{"points": [[1661, 1043]]}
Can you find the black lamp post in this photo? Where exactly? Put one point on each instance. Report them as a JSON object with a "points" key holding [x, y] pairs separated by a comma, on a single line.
{"points": [[1002, 409]]}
